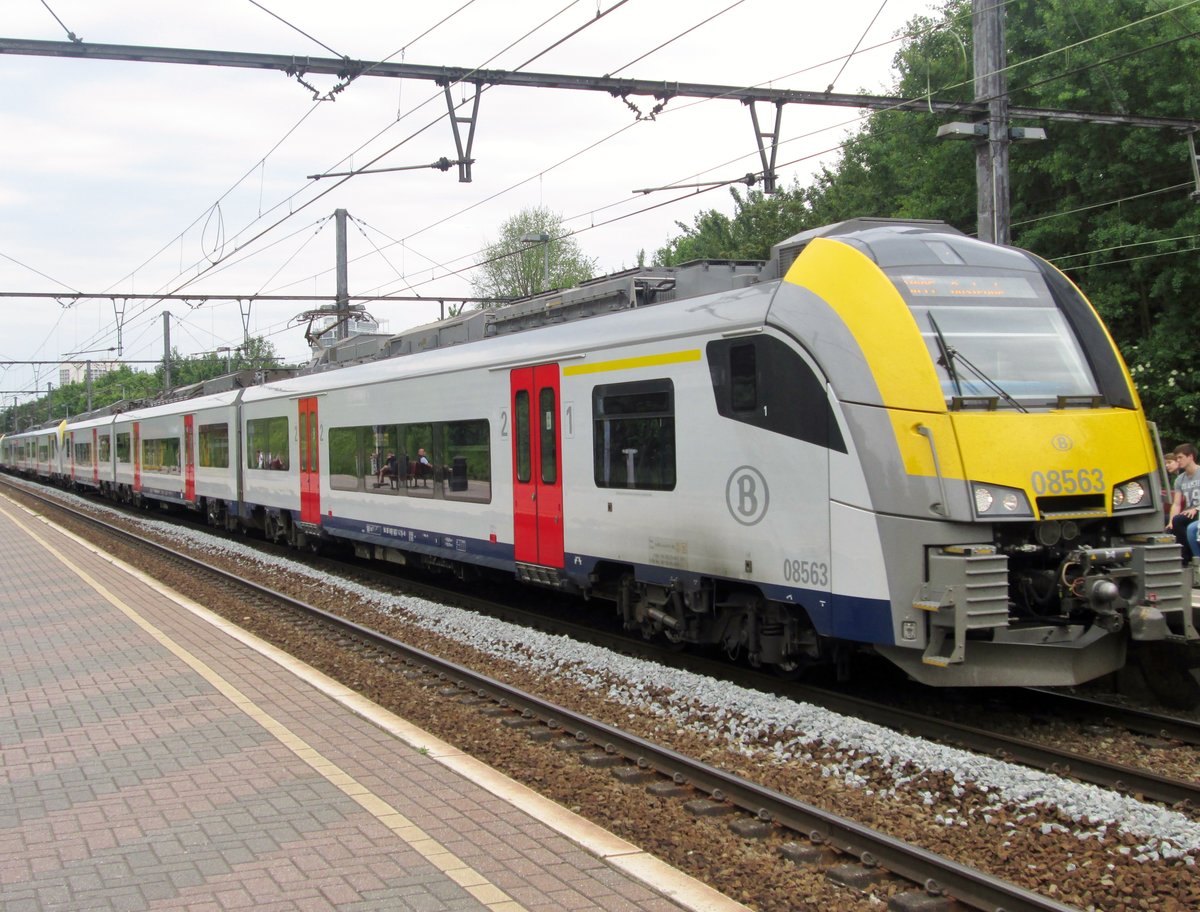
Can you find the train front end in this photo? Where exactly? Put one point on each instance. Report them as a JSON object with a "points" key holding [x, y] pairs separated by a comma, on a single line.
{"points": [[1007, 463]]}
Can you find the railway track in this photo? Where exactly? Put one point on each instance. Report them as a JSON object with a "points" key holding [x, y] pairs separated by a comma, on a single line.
{"points": [[1125, 778], [852, 854], [1144, 783]]}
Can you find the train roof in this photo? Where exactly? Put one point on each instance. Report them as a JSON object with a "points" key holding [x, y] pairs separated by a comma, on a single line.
{"points": [[906, 242], [732, 310], [179, 405], [707, 294]]}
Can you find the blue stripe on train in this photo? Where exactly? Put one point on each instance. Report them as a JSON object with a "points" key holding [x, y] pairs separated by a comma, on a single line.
{"points": [[843, 616]]}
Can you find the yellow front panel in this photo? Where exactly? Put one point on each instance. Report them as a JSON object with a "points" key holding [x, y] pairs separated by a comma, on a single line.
{"points": [[1067, 452], [915, 448], [882, 325]]}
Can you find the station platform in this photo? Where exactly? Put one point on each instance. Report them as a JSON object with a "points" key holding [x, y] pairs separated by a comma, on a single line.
{"points": [[157, 757]]}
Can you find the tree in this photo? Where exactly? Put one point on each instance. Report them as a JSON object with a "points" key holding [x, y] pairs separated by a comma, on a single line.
{"points": [[1109, 205], [125, 383], [255, 353], [514, 268], [759, 222]]}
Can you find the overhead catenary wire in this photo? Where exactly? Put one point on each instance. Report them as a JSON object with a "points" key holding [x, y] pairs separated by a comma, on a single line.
{"points": [[377, 157], [1177, 7], [848, 122], [238, 183], [601, 13], [206, 270], [261, 162], [297, 28], [675, 38], [70, 34], [1114, 202], [849, 56], [786, 164], [1146, 256]]}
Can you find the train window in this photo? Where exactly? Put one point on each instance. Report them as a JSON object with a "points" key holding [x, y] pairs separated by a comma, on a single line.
{"points": [[743, 377], [456, 463], [346, 469], [1003, 331], [83, 454], [357, 456], [521, 428], [549, 435], [214, 446], [104, 448], [267, 443], [417, 443], [634, 435], [467, 456], [382, 439], [788, 396], [123, 447], [348, 466], [160, 454]]}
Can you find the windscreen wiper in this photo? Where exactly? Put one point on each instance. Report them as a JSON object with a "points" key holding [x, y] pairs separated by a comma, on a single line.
{"points": [[950, 357], [991, 384], [947, 358]]}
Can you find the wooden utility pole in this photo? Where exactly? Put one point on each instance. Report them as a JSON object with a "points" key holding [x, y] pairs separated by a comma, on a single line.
{"points": [[991, 154]]}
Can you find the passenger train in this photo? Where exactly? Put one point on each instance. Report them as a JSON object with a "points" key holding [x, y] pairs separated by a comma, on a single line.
{"points": [[888, 437]]}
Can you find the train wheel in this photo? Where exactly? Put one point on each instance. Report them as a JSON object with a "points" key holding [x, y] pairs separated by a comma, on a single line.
{"points": [[788, 671]]}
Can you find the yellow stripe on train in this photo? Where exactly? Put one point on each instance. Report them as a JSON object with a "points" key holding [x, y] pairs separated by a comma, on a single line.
{"points": [[678, 357]]}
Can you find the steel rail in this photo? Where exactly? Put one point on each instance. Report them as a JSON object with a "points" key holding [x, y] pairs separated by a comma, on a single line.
{"points": [[1147, 723], [1097, 771], [938, 874]]}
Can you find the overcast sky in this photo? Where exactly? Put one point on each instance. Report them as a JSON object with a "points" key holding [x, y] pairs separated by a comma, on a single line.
{"points": [[137, 178]]}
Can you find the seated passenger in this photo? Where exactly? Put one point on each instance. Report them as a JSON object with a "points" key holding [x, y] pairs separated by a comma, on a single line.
{"points": [[423, 467], [387, 470]]}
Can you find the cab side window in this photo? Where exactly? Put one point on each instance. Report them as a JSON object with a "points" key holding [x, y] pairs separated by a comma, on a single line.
{"points": [[765, 383]]}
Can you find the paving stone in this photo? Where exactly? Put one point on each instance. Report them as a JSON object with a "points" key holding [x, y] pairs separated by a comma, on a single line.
{"points": [[132, 782]]}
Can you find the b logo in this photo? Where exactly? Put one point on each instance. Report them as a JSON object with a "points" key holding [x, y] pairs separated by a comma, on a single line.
{"points": [[746, 495], [1062, 442]]}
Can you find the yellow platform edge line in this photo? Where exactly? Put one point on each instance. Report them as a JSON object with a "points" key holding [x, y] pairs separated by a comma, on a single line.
{"points": [[431, 850], [654, 873]]}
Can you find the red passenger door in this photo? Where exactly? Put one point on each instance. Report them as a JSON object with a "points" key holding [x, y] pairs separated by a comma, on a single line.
{"points": [[189, 458], [537, 466], [137, 456], [95, 456], [310, 475]]}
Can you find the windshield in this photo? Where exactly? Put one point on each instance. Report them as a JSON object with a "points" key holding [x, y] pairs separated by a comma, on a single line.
{"points": [[1004, 329]]}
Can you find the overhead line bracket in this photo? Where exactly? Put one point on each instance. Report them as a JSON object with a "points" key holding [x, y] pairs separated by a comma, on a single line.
{"points": [[464, 152]]}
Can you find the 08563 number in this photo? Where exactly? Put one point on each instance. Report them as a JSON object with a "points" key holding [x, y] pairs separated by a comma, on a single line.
{"points": [[806, 573], [1068, 481]]}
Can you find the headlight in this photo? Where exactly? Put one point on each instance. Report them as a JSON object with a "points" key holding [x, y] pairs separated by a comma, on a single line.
{"points": [[994, 501], [1130, 494], [983, 499]]}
